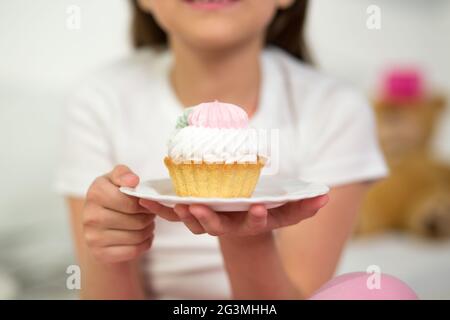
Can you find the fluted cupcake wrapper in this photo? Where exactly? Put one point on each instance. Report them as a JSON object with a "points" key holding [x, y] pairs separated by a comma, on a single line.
{"points": [[210, 180]]}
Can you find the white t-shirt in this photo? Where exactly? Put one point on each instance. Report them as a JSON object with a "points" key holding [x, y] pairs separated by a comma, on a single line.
{"points": [[126, 114]]}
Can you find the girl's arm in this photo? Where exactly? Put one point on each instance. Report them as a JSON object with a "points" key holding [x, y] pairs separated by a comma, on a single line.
{"points": [[255, 268], [300, 259], [311, 249], [102, 280]]}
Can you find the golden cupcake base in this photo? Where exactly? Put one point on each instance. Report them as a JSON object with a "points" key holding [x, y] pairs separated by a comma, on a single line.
{"points": [[214, 180]]}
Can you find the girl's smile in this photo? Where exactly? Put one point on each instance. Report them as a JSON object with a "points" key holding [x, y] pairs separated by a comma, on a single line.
{"points": [[211, 4]]}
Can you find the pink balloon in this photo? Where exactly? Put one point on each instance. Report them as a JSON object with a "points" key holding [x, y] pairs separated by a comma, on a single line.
{"points": [[363, 286]]}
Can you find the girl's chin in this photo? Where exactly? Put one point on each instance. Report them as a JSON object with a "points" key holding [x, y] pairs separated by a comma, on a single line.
{"points": [[215, 41], [214, 45], [213, 36]]}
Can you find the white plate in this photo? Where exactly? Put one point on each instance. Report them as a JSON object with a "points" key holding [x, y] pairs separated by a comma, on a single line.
{"points": [[270, 191]]}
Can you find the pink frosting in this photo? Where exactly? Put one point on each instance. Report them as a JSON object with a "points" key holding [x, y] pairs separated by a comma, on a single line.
{"points": [[218, 115]]}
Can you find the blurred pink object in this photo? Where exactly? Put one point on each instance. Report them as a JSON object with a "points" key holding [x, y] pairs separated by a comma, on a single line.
{"points": [[403, 85], [218, 115], [357, 286]]}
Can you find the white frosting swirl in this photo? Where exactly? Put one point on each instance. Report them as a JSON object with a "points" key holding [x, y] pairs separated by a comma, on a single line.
{"points": [[213, 145]]}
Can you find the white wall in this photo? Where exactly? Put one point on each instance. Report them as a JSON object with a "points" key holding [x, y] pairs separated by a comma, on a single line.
{"points": [[38, 49], [413, 32]]}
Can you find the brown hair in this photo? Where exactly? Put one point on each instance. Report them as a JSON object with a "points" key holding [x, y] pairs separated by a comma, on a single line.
{"points": [[285, 30]]}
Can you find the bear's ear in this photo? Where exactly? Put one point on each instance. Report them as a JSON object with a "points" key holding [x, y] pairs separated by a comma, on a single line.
{"points": [[376, 104], [380, 105], [438, 103], [432, 111]]}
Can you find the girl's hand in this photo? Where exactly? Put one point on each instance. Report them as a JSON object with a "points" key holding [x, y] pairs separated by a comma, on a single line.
{"points": [[115, 227], [201, 219]]}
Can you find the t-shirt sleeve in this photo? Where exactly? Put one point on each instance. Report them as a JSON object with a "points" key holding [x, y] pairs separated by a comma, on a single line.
{"points": [[342, 141], [86, 151]]}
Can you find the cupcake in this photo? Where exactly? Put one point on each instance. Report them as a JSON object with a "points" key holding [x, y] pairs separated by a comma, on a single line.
{"points": [[213, 152]]}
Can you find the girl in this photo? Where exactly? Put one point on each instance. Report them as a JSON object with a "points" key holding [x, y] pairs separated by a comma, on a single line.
{"points": [[245, 52]]}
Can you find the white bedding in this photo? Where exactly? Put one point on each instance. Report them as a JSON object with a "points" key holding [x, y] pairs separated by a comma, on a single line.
{"points": [[424, 265]]}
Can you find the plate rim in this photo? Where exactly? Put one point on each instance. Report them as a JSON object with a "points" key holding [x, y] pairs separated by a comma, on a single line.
{"points": [[321, 189]]}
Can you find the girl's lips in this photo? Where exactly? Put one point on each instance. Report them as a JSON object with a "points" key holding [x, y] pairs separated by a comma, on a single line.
{"points": [[210, 4]]}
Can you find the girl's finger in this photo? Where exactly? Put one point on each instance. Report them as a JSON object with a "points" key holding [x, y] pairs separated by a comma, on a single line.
{"points": [[188, 219], [108, 219], [122, 176], [294, 212], [116, 254], [107, 195], [160, 210], [256, 219], [314, 204], [211, 221], [110, 237]]}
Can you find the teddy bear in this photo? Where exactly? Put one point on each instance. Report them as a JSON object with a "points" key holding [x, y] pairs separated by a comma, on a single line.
{"points": [[415, 197]]}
